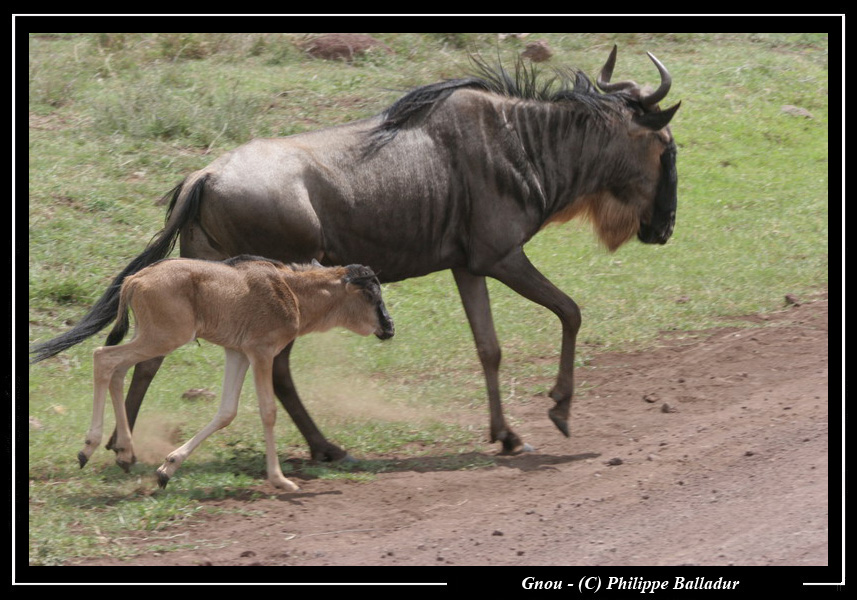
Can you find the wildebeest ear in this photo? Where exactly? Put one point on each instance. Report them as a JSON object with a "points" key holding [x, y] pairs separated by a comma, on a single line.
{"points": [[315, 263], [656, 120]]}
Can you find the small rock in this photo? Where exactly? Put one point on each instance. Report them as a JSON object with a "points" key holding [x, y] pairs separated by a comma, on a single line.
{"points": [[796, 111], [791, 299], [650, 398], [497, 532], [614, 461], [666, 408], [344, 46], [537, 51], [517, 36], [197, 393]]}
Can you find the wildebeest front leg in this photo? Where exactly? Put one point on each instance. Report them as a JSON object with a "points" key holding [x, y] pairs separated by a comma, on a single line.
{"points": [[284, 388], [474, 297], [517, 272]]}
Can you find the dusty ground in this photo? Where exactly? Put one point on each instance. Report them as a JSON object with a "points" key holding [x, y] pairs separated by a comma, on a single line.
{"points": [[711, 449]]}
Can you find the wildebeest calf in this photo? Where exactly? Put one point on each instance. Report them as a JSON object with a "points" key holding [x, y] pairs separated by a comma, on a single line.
{"points": [[252, 307]]}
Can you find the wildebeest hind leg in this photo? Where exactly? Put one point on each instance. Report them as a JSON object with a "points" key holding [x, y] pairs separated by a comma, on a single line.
{"points": [[474, 297], [284, 388]]}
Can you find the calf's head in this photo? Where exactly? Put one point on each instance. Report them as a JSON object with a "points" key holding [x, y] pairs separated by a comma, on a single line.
{"points": [[367, 313]]}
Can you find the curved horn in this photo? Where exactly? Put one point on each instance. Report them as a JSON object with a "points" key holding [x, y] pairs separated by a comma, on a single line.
{"points": [[663, 89], [603, 80], [648, 101]]}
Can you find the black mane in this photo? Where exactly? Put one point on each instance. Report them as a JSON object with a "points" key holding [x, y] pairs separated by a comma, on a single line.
{"points": [[565, 86]]}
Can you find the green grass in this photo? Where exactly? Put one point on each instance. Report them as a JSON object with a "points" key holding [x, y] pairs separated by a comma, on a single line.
{"points": [[117, 119]]}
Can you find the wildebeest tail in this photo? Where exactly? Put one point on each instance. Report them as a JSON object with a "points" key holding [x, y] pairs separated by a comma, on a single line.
{"points": [[183, 207]]}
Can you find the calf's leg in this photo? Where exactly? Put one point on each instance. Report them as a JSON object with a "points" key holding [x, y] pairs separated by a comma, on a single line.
{"points": [[102, 373], [110, 363], [143, 374], [263, 378], [123, 445], [233, 379]]}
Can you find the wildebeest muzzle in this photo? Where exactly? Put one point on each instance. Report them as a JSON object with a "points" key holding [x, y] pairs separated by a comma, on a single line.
{"points": [[659, 229]]}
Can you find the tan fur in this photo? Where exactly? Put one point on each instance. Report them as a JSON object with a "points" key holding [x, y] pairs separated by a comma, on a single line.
{"points": [[614, 222], [253, 308]]}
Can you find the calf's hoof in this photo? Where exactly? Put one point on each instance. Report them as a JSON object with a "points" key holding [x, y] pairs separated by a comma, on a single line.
{"points": [[126, 464], [284, 484], [82, 458], [163, 479]]}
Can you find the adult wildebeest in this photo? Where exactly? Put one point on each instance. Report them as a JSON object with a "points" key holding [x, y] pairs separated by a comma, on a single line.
{"points": [[252, 307], [455, 175]]}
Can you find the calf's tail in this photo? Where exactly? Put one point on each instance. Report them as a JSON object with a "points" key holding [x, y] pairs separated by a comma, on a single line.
{"points": [[120, 328]]}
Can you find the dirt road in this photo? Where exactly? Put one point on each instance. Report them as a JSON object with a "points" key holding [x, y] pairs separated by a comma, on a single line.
{"points": [[709, 450]]}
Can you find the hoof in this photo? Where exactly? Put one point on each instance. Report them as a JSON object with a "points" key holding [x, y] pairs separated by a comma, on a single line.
{"points": [[522, 448], [331, 453], [561, 424], [286, 486], [512, 444], [82, 459], [126, 465], [163, 480]]}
